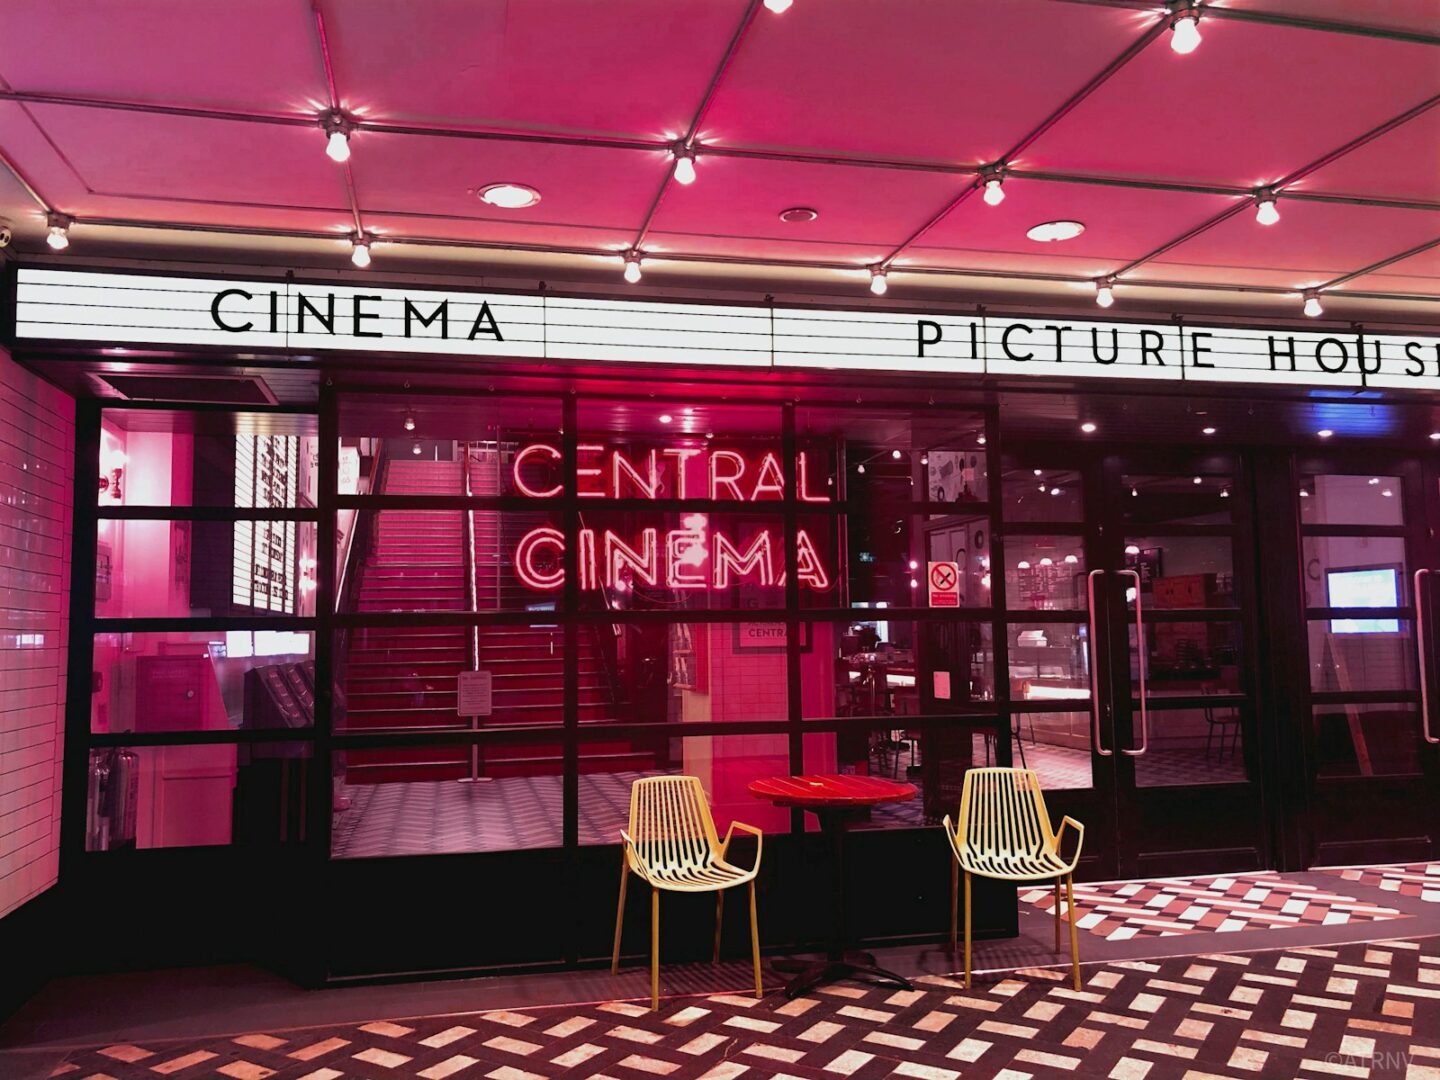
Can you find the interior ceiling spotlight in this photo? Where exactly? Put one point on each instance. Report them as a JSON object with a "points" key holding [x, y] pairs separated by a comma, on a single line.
{"points": [[1184, 27], [1088, 427], [684, 164], [337, 136], [1313, 307], [632, 266], [1053, 231], [1105, 291], [415, 449], [1435, 436], [409, 422], [1324, 433], [798, 215], [666, 418], [360, 251], [59, 237], [1266, 212], [878, 284], [994, 183], [1207, 431], [779, 7], [509, 196]]}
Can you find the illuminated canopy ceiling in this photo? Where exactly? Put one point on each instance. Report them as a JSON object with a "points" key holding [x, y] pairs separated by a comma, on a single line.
{"points": [[194, 131]]}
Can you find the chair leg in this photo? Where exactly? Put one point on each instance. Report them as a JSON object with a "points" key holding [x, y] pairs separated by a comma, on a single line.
{"points": [[719, 920], [755, 942], [619, 914], [967, 929], [1074, 936], [654, 948], [1057, 914], [954, 904]]}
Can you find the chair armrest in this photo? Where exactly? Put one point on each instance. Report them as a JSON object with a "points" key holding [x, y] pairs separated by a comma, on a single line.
{"points": [[951, 837], [637, 864], [1067, 820], [753, 831]]}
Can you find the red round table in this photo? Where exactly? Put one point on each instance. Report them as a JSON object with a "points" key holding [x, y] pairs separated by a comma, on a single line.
{"points": [[831, 799]]}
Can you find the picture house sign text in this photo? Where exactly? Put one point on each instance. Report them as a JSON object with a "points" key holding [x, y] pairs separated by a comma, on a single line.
{"points": [[85, 306]]}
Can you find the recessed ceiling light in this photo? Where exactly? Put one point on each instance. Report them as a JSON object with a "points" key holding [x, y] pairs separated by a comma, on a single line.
{"points": [[1435, 436], [798, 215], [1088, 427], [1324, 433], [509, 196], [1207, 431], [1049, 231], [666, 418]]}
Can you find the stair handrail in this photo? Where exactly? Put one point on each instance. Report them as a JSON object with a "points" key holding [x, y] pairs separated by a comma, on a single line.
{"points": [[345, 558], [471, 586]]}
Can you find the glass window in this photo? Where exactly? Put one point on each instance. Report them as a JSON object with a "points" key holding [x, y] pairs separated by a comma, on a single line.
{"points": [[1367, 740], [1361, 655], [873, 667], [1355, 571], [203, 681], [1183, 571], [1188, 658], [1045, 573], [1055, 744], [890, 458], [1035, 493], [196, 796], [1193, 746], [1049, 661], [1183, 499], [152, 457], [1361, 499], [185, 569]]}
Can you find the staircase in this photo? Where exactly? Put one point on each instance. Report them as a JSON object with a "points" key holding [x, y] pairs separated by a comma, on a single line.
{"points": [[405, 677]]}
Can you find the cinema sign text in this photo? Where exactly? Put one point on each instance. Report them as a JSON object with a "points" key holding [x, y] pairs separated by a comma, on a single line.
{"points": [[81, 306]]}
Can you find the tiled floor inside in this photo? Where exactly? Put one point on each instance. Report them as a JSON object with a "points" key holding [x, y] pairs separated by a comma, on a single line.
{"points": [[1320, 974]]}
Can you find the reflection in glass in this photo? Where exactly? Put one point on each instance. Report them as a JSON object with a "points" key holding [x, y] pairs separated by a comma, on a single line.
{"points": [[203, 681], [1040, 494], [889, 556], [1356, 571], [1045, 573], [877, 668], [1049, 661], [1358, 657], [1179, 499], [1364, 499], [196, 796], [1367, 740], [1183, 571], [1192, 746], [1187, 658], [1055, 745]]}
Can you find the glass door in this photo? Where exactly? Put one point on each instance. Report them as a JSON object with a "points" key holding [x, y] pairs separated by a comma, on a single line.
{"points": [[1172, 621], [1368, 573]]}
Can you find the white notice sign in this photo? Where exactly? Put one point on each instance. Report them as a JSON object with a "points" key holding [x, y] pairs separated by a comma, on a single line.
{"points": [[944, 579], [473, 698]]}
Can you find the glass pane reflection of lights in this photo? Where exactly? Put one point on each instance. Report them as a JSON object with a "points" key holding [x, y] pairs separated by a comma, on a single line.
{"points": [[1033, 493], [1356, 571], [1367, 740], [1045, 573], [1178, 499], [1361, 655], [1049, 661], [1359, 499], [1193, 746]]}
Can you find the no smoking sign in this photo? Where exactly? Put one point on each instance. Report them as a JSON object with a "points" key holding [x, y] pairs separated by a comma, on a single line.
{"points": [[944, 581]]}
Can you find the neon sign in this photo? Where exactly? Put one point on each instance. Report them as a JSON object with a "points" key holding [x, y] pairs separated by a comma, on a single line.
{"points": [[692, 557]]}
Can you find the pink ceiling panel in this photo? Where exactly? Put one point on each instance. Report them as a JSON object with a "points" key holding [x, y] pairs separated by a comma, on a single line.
{"points": [[260, 54], [1402, 164], [1120, 224], [135, 154], [935, 79], [1210, 274], [1419, 275], [25, 146], [1312, 241], [851, 253], [577, 237], [744, 197], [587, 186], [637, 69], [1006, 262], [1237, 110], [1418, 16], [336, 219]]}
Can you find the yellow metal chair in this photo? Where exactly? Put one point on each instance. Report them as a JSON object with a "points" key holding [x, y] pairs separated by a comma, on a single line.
{"points": [[1004, 832], [672, 846]]}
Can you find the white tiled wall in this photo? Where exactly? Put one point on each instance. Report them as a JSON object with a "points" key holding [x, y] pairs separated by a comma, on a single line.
{"points": [[37, 439]]}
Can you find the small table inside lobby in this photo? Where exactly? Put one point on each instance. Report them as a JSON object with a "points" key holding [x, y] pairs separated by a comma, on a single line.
{"points": [[831, 799]]}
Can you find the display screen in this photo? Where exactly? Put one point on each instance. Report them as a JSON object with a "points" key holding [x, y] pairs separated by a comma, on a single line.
{"points": [[1376, 588]]}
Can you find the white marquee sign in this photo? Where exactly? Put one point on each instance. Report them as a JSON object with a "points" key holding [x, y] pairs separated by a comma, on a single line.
{"points": [[61, 305]]}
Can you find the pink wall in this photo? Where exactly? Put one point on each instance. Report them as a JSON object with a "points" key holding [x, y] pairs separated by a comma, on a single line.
{"points": [[37, 438]]}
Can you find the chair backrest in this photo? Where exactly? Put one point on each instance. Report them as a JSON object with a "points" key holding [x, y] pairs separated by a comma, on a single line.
{"points": [[670, 822], [1002, 811]]}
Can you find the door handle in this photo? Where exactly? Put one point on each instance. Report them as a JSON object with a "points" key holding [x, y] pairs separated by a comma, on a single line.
{"points": [[1141, 657], [1094, 651], [1419, 597]]}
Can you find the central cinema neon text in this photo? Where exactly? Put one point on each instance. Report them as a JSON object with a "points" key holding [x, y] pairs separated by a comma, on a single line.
{"points": [[676, 472]]}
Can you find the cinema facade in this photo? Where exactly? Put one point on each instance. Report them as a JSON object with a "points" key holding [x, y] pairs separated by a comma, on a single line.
{"points": [[382, 596]]}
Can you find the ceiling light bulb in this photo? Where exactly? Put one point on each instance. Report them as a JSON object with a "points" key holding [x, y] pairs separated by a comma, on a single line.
{"points": [[1207, 431], [1435, 436], [666, 418], [878, 285], [409, 423], [1055, 491], [1324, 433], [632, 268], [509, 196], [360, 253], [59, 237], [1313, 307], [337, 147], [1224, 493], [896, 454], [860, 468], [1185, 32], [1197, 480], [1104, 293], [1022, 565], [415, 449], [779, 7], [1088, 427], [1266, 212], [914, 564], [1132, 549], [684, 167], [1071, 560], [994, 191]]}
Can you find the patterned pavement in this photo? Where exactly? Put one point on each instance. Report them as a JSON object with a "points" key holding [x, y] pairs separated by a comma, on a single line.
{"points": [[1355, 1010], [1121, 910], [1420, 880]]}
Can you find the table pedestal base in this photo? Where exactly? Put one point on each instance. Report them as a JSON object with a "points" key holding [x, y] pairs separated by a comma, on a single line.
{"points": [[808, 974]]}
